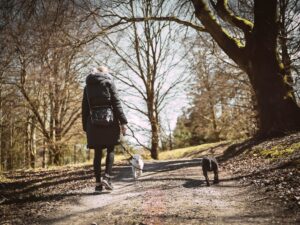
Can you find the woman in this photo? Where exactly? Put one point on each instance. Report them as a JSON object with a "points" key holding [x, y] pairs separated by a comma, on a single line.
{"points": [[100, 91]]}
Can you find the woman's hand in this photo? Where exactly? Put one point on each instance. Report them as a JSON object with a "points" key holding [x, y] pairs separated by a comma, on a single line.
{"points": [[123, 129]]}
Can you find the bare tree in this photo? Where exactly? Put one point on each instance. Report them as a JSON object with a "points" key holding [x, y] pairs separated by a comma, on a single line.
{"points": [[221, 106], [45, 70], [147, 64], [289, 28], [223, 94]]}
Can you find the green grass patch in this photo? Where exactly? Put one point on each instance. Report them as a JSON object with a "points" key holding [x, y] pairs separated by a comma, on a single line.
{"points": [[279, 151]]}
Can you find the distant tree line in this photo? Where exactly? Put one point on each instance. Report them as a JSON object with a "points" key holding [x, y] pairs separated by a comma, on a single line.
{"points": [[40, 74], [222, 101]]}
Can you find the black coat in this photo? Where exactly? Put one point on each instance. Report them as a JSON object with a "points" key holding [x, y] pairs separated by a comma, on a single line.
{"points": [[101, 91]]}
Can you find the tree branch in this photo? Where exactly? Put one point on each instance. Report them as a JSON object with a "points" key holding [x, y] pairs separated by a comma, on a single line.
{"points": [[166, 18], [232, 47], [227, 15]]}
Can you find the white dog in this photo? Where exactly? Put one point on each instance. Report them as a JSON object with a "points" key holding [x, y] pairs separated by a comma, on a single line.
{"points": [[137, 165]]}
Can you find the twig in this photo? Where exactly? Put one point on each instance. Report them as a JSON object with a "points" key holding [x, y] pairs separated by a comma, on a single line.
{"points": [[3, 199], [258, 200]]}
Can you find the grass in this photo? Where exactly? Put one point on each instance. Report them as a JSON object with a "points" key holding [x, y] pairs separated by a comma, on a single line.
{"points": [[279, 151], [189, 152]]}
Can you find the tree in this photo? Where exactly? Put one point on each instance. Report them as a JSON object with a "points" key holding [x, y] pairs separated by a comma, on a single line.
{"points": [[183, 135], [221, 106], [257, 56], [42, 68], [289, 39], [146, 66]]}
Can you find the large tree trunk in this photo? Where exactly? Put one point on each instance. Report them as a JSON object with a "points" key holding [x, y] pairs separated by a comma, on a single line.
{"points": [[277, 110]]}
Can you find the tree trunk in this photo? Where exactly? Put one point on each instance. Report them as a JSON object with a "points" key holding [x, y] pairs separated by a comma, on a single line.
{"points": [[27, 142], [58, 148], [278, 112], [57, 160], [216, 134], [57, 156], [285, 56], [9, 162], [1, 130], [44, 153], [32, 142], [51, 154], [154, 140], [45, 113], [51, 128], [2, 147], [88, 154], [75, 156]]}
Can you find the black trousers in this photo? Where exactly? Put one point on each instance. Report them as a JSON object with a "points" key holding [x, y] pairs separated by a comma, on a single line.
{"points": [[108, 164]]}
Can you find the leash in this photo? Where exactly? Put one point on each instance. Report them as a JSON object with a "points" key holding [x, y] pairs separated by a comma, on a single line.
{"points": [[131, 156]]}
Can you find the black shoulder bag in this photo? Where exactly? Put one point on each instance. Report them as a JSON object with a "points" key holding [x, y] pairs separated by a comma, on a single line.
{"points": [[101, 115]]}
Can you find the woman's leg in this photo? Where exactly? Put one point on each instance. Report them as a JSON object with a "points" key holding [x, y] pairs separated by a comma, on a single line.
{"points": [[97, 164], [108, 168], [109, 160]]}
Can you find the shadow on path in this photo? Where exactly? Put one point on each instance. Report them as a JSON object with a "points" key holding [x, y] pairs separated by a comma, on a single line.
{"points": [[237, 149]]}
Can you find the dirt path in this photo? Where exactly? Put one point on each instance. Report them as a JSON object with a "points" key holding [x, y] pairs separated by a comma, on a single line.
{"points": [[173, 192]]}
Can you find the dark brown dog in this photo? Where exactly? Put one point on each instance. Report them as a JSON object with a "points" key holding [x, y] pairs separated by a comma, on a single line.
{"points": [[210, 164]]}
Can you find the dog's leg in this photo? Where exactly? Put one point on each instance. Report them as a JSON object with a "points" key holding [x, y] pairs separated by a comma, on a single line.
{"points": [[216, 172], [206, 176], [139, 172], [135, 173], [216, 176]]}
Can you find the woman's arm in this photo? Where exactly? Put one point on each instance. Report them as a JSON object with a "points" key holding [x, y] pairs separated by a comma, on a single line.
{"points": [[116, 103], [85, 110]]}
